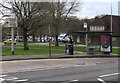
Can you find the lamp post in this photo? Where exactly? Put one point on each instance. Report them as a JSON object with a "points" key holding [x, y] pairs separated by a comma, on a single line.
{"points": [[111, 26], [12, 25], [12, 36], [111, 18]]}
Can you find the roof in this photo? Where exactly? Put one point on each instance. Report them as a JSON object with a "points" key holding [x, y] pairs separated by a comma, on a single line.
{"points": [[106, 21], [92, 32]]}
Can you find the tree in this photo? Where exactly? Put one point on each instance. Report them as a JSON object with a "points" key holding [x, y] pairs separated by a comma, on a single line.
{"points": [[29, 15], [60, 11]]}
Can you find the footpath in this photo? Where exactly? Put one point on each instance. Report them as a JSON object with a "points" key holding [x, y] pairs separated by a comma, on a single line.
{"points": [[56, 56]]}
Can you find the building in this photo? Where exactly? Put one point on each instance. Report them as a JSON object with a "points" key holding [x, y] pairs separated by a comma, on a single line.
{"points": [[119, 8], [102, 24], [98, 34]]}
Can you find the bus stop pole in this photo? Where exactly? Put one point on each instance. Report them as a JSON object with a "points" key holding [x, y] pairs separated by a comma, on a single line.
{"points": [[86, 43], [86, 27]]}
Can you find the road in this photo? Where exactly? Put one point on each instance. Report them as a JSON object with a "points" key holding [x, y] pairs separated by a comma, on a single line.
{"points": [[64, 70]]}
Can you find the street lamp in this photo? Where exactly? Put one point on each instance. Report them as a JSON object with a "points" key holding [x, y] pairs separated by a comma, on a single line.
{"points": [[111, 18], [111, 26], [11, 23]]}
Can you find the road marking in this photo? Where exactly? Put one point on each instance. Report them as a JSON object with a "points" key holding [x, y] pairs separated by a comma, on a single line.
{"points": [[1, 79], [34, 60], [108, 75], [70, 81], [11, 78], [74, 80], [48, 59], [4, 77], [21, 80], [101, 80]]}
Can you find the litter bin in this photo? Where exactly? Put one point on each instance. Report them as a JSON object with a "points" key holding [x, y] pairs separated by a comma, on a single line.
{"points": [[90, 51], [69, 49]]}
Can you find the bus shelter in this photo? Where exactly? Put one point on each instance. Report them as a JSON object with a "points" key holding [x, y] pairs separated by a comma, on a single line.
{"points": [[97, 42]]}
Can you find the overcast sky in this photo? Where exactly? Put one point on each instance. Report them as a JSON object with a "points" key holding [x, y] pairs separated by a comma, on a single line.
{"points": [[91, 8]]}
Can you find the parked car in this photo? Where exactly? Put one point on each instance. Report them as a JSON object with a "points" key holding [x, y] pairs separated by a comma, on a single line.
{"points": [[19, 38], [9, 41]]}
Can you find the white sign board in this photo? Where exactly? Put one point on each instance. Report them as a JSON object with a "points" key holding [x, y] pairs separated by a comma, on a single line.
{"points": [[106, 49], [85, 24]]}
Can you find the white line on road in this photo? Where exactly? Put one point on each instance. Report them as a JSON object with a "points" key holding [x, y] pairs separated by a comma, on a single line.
{"points": [[74, 80], [21, 80], [2, 76], [101, 80], [11, 78], [1, 79], [70, 81], [108, 75]]}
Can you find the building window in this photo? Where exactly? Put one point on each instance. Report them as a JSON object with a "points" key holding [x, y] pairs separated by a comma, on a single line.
{"points": [[97, 28]]}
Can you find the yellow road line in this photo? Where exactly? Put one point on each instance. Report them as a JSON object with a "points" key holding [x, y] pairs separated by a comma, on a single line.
{"points": [[50, 59]]}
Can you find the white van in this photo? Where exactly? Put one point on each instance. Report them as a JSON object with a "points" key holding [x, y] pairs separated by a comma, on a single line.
{"points": [[63, 37]]}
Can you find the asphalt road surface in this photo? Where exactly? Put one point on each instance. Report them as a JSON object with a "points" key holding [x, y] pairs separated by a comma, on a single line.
{"points": [[98, 71]]}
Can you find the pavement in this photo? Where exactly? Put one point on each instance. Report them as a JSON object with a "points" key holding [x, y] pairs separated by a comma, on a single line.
{"points": [[56, 56]]}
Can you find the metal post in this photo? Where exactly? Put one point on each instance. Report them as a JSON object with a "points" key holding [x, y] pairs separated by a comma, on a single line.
{"points": [[111, 18], [12, 46], [49, 43], [111, 27], [86, 27], [87, 43]]}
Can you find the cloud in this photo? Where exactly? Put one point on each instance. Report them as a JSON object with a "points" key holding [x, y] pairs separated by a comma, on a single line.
{"points": [[101, 0], [93, 8]]}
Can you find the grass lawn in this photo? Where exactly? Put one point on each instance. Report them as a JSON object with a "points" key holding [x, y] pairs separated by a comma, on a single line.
{"points": [[20, 51], [116, 50], [44, 49], [40, 46]]}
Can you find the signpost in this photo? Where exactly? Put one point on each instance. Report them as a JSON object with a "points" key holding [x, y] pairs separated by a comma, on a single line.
{"points": [[85, 26]]}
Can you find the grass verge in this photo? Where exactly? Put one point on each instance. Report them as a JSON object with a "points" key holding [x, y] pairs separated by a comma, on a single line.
{"points": [[20, 51], [44, 49]]}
